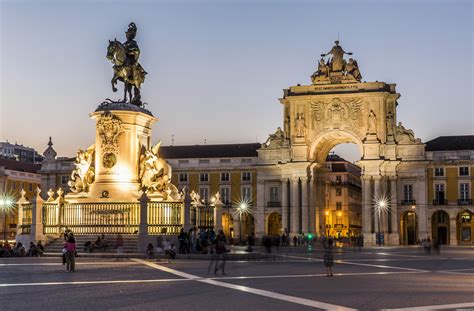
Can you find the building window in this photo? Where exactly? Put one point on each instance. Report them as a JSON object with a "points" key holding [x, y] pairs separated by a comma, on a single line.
{"points": [[204, 194], [408, 192], [225, 160], [274, 194], [339, 219], [246, 176], [30, 187], [465, 218], [225, 176], [464, 191], [442, 218], [246, 193], [183, 161], [204, 161], [246, 161], [338, 206], [464, 171], [64, 179], [439, 193], [183, 177], [225, 195], [439, 171], [338, 191], [204, 177]]}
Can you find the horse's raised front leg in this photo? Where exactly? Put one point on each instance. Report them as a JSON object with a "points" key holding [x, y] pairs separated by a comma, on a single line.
{"points": [[114, 82]]}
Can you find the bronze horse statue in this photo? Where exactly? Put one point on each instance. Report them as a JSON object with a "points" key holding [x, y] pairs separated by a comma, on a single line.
{"points": [[132, 75]]}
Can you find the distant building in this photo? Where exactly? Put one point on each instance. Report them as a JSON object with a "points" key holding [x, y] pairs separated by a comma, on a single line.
{"points": [[14, 176], [228, 169], [19, 152], [55, 171], [343, 210], [450, 185]]}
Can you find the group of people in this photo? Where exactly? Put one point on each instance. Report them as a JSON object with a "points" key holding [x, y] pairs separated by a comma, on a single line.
{"points": [[18, 250], [100, 243], [429, 244], [198, 242], [165, 248]]}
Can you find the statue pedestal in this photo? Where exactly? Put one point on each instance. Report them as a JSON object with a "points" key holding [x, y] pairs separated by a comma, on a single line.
{"points": [[121, 132]]}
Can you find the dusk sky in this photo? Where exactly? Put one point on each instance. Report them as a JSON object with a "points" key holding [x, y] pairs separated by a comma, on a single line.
{"points": [[217, 68]]}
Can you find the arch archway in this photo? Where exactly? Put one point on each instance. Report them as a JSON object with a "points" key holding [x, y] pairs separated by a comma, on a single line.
{"points": [[440, 227], [408, 228], [324, 142], [274, 225], [465, 227]]}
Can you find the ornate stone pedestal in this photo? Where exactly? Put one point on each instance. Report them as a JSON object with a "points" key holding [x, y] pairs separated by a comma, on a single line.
{"points": [[122, 132]]}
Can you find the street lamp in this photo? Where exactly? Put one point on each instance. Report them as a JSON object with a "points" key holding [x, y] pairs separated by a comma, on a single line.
{"points": [[7, 203], [381, 205], [242, 208]]}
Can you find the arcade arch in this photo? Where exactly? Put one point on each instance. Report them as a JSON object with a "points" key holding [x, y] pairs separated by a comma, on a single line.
{"points": [[440, 227], [408, 228]]}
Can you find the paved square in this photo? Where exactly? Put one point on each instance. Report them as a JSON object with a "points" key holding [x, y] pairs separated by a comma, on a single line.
{"points": [[374, 279]]}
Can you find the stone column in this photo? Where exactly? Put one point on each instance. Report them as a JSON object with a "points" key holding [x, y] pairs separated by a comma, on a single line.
{"points": [[304, 205], [453, 239], [377, 192], [421, 208], [259, 215], [394, 236], [367, 211], [143, 226], [36, 233], [284, 205], [294, 208], [312, 206]]}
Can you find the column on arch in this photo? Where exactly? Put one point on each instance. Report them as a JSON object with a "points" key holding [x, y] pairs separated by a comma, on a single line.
{"points": [[260, 210], [376, 194], [312, 206], [394, 209], [294, 208], [366, 206], [304, 205], [284, 205]]}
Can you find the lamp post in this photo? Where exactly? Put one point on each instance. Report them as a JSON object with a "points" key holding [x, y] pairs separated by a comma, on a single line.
{"points": [[6, 205], [381, 205], [326, 223], [243, 209]]}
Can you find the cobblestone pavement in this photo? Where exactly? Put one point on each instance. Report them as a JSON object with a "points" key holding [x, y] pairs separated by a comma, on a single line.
{"points": [[374, 279]]}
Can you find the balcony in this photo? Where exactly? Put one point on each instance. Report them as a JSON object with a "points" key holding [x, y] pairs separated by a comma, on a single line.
{"points": [[464, 201], [273, 204], [408, 202], [440, 202]]}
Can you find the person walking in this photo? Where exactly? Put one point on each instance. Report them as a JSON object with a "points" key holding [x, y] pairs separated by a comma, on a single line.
{"points": [[70, 247], [119, 245], [220, 255], [328, 257]]}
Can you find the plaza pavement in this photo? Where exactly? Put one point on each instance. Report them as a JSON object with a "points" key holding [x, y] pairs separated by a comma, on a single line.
{"points": [[401, 278]]}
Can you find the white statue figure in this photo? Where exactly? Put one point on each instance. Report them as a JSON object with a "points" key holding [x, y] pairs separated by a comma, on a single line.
{"points": [[83, 175], [390, 123], [299, 125], [195, 198], [406, 135], [155, 174], [372, 123], [275, 140]]}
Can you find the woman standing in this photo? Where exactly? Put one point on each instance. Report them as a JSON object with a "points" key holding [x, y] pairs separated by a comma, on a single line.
{"points": [[328, 256], [70, 247]]}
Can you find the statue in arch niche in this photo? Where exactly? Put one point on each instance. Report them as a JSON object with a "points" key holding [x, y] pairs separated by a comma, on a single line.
{"points": [[299, 125], [372, 123]]}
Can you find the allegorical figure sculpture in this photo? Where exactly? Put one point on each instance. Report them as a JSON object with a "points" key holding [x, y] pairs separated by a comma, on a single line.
{"points": [[299, 125], [275, 140], [155, 174], [336, 69], [127, 69], [372, 123], [337, 61], [83, 174]]}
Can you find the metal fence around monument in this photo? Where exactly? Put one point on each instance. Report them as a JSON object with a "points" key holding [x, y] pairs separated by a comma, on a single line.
{"points": [[202, 217], [165, 217], [51, 222], [101, 218], [26, 219]]}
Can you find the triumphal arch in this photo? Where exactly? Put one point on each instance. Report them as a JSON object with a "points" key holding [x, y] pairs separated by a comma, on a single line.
{"points": [[338, 107]]}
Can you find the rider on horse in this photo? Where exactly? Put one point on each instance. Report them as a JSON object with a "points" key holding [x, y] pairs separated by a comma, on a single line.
{"points": [[133, 53]]}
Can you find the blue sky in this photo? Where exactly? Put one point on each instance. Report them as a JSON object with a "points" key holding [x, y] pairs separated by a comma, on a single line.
{"points": [[217, 68]]}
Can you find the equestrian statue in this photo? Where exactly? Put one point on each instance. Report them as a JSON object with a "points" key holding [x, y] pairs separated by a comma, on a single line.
{"points": [[127, 69]]}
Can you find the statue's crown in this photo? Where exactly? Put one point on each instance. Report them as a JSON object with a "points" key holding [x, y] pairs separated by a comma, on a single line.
{"points": [[132, 28]]}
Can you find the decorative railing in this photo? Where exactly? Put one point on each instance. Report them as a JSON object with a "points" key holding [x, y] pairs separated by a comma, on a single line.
{"points": [[165, 217], [26, 219], [101, 218], [464, 201], [51, 223], [202, 216]]}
